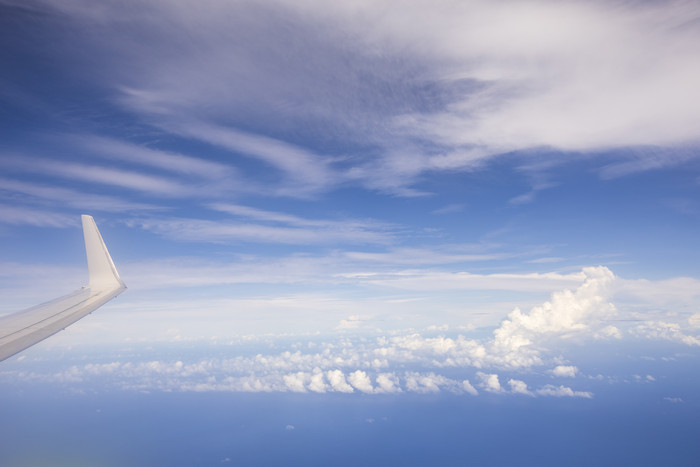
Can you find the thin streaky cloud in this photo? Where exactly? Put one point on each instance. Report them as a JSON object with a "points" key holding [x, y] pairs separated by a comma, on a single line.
{"points": [[198, 230], [39, 218], [121, 178], [284, 218], [98, 175], [450, 209], [570, 76], [436, 280], [82, 200], [422, 256], [260, 214], [172, 162], [548, 259], [299, 164], [325, 270], [645, 159]]}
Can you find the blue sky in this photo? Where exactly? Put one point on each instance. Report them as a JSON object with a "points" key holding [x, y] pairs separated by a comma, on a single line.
{"points": [[357, 197]]}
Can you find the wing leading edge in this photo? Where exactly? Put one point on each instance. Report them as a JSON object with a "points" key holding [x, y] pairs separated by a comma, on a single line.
{"points": [[21, 330]]}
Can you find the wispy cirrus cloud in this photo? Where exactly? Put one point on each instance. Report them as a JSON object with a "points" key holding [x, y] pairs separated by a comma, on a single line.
{"points": [[316, 81], [199, 230], [276, 217], [46, 194], [440, 280], [131, 153], [305, 170], [39, 218], [101, 175], [425, 256]]}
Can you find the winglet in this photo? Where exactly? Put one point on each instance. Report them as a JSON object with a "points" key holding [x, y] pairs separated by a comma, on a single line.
{"points": [[103, 273]]}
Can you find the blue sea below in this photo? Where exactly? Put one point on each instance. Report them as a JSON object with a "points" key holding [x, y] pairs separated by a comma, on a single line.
{"points": [[208, 429]]}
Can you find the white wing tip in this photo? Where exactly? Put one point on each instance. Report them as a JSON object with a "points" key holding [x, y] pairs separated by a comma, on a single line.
{"points": [[103, 273]]}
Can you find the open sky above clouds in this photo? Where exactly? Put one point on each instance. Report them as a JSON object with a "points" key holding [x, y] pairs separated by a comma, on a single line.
{"points": [[477, 197]]}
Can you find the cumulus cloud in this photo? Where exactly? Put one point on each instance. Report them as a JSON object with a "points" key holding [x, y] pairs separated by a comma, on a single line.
{"points": [[468, 388], [566, 371], [489, 382], [562, 391], [336, 378], [518, 387], [425, 383], [353, 322], [666, 331], [398, 361], [694, 320], [317, 383], [361, 381], [568, 313], [609, 332], [387, 383]]}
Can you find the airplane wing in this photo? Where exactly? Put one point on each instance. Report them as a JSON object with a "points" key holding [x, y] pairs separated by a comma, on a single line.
{"points": [[25, 328]]}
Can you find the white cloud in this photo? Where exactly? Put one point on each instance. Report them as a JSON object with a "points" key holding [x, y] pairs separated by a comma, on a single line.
{"points": [[360, 381], [449, 209], [121, 151], [426, 256], [694, 320], [38, 218], [565, 371], [100, 175], [201, 230], [562, 391], [336, 378], [317, 384], [548, 259], [75, 199], [568, 313], [353, 322], [477, 79], [519, 387], [296, 382], [489, 382], [468, 388], [666, 331], [609, 332], [422, 280], [387, 383], [301, 165], [554, 59], [430, 382], [668, 293]]}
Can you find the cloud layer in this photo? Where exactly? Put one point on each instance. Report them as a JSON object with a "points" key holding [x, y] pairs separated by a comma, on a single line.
{"points": [[521, 347]]}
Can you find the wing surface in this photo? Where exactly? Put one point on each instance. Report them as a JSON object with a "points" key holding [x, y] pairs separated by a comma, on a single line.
{"points": [[21, 330]]}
